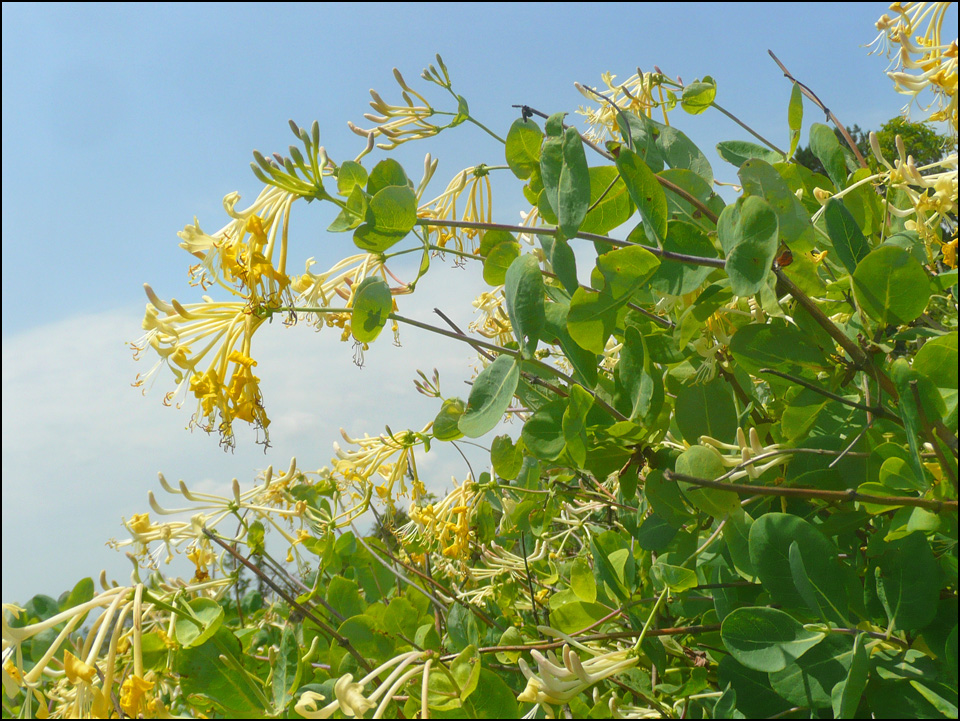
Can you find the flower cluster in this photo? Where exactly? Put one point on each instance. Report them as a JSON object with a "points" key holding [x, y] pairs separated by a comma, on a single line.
{"points": [[923, 61], [641, 94]]}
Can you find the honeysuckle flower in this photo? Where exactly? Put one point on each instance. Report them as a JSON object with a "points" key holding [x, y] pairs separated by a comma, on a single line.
{"points": [[132, 693], [239, 256], [226, 389], [745, 454], [389, 456], [493, 323], [338, 282], [447, 523], [478, 207], [639, 94], [556, 681], [933, 61]]}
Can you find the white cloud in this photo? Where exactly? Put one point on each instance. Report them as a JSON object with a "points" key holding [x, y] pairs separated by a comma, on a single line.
{"points": [[81, 447]]}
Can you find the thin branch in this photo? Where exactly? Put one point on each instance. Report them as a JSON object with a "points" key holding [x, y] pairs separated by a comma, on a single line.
{"points": [[526, 566], [826, 111], [668, 255], [612, 636], [859, 357], [848, 496], [878, 411], [320, 623], [750, 130]]}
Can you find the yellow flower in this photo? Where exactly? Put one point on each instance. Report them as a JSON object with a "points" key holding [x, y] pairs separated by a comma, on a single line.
{"points": [[226, 388], [950, 253], [132, 693], [77, 670], [475, 182]]}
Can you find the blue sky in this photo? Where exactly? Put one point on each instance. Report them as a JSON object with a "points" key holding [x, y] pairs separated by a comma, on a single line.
{"points": [[123, 122]]}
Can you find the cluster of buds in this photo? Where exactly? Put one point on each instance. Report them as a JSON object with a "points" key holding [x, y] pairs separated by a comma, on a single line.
{"points": [[350, 699], [399, 123], [556, 681], [746, 455]]}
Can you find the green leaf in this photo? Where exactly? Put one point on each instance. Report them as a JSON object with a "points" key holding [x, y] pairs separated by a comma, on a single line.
{"points": [[704, 462], [207, 612], [391, 214], [633, 372], [446, 424], [891, 286], [809, 681], [765, 639], [366, 637], [402, 615], [706, 409], [775, 345], [573, 188], [614, 208], [907, 581], [645, 191], [811, 588], [562, 261], [80, 594], [506, 457], [848, 241], [824, 144], [770, 539], [286, 669], [846, 694], [255, 537], [351, 175], [666, 499], [201, 672], [574, 423], [524, 292], [937, 361], [803, 408], [751, 245], [498, 261], [490, 396], [523, 147], [674, 277], [343, 595], [372, 305], [738, 152], [795, 117], [493, 699], [543, 432], [761, 178], [592, 318], [614, 562], [582, 580], [699, 95], [681, 209], [576, 616], [555, 328], [681, 153], [354, 214], [677, 578], [385, 174], [462, 628], [624, 270], [755, 697]]}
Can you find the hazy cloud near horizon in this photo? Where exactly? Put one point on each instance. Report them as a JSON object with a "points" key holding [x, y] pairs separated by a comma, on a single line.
{"points": [[81, 447]]}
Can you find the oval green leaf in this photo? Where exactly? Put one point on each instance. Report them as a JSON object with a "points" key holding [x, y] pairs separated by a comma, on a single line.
{"points": [[372, 304], [490, 396], [891, 286], [766, 639]]}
